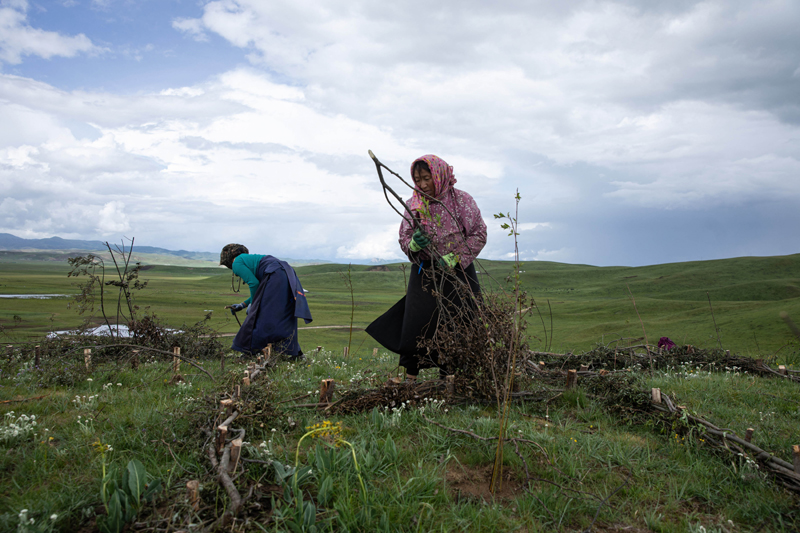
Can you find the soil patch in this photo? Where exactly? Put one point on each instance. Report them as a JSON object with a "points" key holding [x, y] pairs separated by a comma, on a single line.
{"points": [[472, 482]]}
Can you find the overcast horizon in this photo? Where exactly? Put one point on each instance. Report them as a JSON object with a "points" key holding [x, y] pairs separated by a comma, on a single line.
{"points": [[636, 132]]}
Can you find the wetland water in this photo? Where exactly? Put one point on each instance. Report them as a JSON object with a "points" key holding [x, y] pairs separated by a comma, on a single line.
{"points": [[34, 296]]}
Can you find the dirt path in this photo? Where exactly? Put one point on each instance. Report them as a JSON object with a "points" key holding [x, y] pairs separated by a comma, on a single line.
{"points": [[299, 328]]}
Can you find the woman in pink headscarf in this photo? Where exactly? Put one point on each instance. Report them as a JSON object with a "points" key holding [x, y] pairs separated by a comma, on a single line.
{"points": [[442, 240]]}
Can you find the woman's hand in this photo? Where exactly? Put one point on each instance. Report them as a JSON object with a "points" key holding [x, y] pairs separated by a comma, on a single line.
{"points": [[235, 308], [449, 260], [419, 241]]}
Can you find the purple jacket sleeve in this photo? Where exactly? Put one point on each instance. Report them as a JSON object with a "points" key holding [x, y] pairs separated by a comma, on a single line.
{"points": [[475, 229]]}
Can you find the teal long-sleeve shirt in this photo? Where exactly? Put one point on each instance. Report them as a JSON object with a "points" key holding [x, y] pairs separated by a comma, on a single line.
{"points": [[245, 266]]}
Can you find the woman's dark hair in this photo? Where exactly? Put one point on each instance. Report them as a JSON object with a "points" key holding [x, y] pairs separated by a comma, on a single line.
{"points": [[420, 165], [231, 252]]}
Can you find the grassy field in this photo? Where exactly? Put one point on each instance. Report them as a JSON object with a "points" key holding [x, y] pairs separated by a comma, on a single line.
{"points": [[589, 305], [394, 469], [590, 466]]}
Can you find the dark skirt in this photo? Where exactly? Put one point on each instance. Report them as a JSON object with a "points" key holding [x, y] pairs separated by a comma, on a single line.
{"points": [[416, 316], [270, 316]]}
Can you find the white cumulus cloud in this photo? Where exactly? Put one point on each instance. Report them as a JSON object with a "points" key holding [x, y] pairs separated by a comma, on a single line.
{"points": [[112, 219], [19, 39]]}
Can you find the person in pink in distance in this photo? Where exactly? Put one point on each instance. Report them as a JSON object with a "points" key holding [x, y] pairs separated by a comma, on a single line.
{"points": [[448, 235]]}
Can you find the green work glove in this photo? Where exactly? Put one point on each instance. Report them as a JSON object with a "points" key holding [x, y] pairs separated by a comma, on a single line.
{"points": [[449, 260], [418, 241]]}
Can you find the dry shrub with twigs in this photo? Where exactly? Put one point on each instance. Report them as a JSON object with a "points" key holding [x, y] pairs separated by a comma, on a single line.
{"points": [[476, 341]]}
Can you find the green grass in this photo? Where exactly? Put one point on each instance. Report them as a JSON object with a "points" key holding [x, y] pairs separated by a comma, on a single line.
{"points": [[589, 304], [419, 477]]}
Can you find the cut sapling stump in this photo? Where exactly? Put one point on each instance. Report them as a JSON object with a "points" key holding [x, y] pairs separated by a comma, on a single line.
{"points": [[193, 492], [326, 388], [656, 395], [796, 458], [87, 358], [176, 365], [572, 378], [227, 406], [236, 450], [222, 433]]}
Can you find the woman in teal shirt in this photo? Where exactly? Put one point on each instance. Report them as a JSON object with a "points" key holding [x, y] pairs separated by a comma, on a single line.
{"points": [[276, 301]]}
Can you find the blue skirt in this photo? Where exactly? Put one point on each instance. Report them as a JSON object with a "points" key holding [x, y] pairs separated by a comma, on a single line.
{"points": [[271, 316]]}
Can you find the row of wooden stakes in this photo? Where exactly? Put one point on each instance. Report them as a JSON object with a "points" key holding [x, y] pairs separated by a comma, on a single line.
{"points": [[87, 357]]}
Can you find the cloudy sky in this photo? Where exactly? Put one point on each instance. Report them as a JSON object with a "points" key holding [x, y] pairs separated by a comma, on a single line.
{"points": [[637, 132]]}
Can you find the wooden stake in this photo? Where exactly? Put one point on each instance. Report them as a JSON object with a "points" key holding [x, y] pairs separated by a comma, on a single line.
{"points": [[374, 352], [656, 394], [450, 384], [176, 362], [269, 351], [246, 381], [326, 387], [748, 434], [37, 354], [135, 360], [782, 370], [227, 405], [87, 358], [584, 368], [193, 489], [796, 457], [222, 433], [689, 348], [728, 353], [346, 351], [319, 349], [572, 378], [237, 393], [236, 449], [541, 365]]}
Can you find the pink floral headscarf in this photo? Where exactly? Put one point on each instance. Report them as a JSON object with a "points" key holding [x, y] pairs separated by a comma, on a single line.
{"points": [[442, 175]]}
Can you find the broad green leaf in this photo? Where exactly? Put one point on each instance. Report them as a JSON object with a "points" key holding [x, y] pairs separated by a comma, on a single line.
{"points": [[115, 520], [309, 514], [137, 479], [152, 488]]}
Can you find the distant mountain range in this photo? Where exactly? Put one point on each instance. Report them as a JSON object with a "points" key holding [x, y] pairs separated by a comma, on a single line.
{"points": [[13, 243], [145, 254]]}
